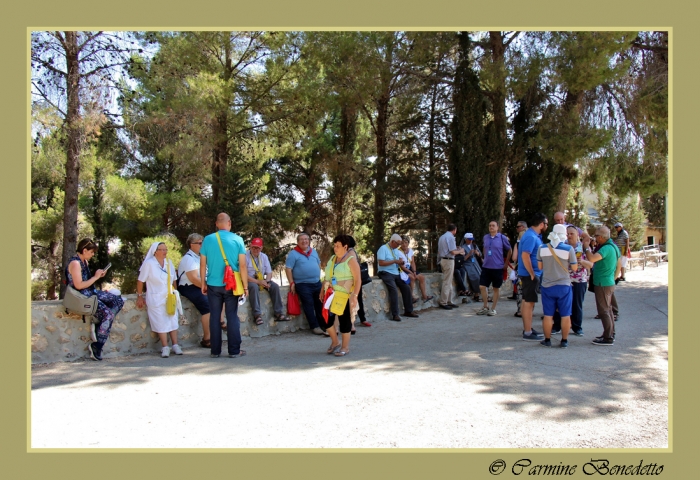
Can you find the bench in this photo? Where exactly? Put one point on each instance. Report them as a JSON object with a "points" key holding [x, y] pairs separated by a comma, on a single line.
{"points": [[654, 253], [637, 258]]}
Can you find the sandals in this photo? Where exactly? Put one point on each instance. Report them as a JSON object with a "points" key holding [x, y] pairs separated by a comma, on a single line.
{"points": [[352, 332], [365, 324], [415, 299], [332, 349], [258, 319], [341, 353], [205, 343], [223, 325], [279, 317], [428, 298]]}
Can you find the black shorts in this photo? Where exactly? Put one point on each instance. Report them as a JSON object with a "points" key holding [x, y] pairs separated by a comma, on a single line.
{"points": [[194, 294], [491, 276], [530, 288]]}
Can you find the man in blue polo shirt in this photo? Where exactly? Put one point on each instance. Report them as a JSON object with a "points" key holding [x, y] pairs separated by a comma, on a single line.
{"points": [[211, 267], [303, 269], [388, 260], [529, 272]]}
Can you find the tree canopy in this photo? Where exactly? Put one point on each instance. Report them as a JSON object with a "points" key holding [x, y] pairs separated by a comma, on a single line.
{"points": [[144, 135]]}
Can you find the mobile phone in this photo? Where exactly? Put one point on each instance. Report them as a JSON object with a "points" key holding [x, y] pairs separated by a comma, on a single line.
{"points": [[109, 265]]}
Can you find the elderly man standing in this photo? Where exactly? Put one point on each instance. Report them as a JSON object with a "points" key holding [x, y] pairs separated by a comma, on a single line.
{"points": [[389, 258], [260, 275], [529, 272], [496, 250], [447, 249], [623, 244], [211, 266], [303, 269], [607, 268]]}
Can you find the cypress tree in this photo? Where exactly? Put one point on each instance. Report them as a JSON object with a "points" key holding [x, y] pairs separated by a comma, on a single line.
{"points": [[473, 179]]}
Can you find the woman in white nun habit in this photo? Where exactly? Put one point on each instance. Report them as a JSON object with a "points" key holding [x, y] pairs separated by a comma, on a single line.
{"points": [[154, 273]]}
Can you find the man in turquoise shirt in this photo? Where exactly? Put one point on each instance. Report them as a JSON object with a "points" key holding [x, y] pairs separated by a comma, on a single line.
{"points": [[607, 269], [389, 259], [210, 256]]}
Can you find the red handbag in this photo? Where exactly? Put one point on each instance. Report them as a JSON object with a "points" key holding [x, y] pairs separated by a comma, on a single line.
{"points": [[293, 305]]}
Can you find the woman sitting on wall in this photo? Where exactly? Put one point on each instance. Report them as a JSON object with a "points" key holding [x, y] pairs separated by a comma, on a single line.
{"points": [[411, 271], [108, 305], [154, 273]]}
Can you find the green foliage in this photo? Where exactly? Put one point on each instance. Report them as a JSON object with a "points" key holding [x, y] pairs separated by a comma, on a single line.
{"points": [[474, 184], [613, 209], [364, 133]]}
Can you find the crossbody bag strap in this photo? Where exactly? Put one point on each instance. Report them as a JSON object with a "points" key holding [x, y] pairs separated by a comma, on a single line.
{"points": [[549, 245], [222, 248], [170, 284]]}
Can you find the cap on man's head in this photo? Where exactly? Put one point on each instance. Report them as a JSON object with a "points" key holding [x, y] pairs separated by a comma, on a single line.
{"points": [[396, 238], [469, 236], [618, 224], [257, 242]]}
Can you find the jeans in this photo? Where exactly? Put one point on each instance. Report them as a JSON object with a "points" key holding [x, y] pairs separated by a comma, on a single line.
{"points": [[254, 295], [312, 306], [579, 290], [219, 298], [394, 283]]}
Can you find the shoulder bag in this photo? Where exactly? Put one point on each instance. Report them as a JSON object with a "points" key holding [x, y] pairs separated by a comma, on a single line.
{"points": [[171, 300], [79, 304], [232, 280]]}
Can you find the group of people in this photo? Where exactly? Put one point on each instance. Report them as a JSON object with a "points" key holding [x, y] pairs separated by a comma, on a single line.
{"points": [[559, 271], [216, 272]]}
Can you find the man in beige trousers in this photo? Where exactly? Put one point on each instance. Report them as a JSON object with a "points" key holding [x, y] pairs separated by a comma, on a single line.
{"points": [[447, 249]]}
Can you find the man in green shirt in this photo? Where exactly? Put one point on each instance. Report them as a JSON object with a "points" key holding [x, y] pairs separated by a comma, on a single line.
{"points": [[606, 270]]}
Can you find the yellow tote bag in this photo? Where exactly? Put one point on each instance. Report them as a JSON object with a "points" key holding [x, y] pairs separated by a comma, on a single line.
{"points": [[340, 299], [238, 291]]}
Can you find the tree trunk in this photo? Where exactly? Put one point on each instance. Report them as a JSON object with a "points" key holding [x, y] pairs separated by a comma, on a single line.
{"points": [[74, 136], [500, 118], [380, 173], [220, 130]]}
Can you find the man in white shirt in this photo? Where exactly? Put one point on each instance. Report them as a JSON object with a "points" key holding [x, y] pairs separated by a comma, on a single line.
{"points": [[260, 276], [389, 259], [447, 249]]}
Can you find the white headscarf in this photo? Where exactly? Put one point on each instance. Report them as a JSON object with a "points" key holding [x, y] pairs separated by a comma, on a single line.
{"points": [[151, 254], [558, 235]]}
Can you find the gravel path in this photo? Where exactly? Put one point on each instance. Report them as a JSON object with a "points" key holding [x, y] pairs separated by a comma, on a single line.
{"points": [[444, 380]]}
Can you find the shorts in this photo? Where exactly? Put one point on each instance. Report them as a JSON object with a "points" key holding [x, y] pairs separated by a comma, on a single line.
{"points": [[623, 261], [557, 297], [491, 276], [194, 294], [530, 288]]}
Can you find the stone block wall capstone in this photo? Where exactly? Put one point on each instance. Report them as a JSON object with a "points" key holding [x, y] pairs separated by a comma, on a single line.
{"points": [[58, 337]]}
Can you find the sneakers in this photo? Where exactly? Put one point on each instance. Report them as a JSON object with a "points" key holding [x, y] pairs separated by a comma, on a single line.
{"points": [[165, 352], [546, 343], [177, 350], [483, 311], [578, 333], [492, 313], [317, 331], [556, 332], [603, 342], [564, 343], [95, 353], [534, 336]]}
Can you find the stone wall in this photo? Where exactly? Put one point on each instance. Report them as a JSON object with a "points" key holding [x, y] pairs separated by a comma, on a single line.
{"points": [[57, 336]]}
